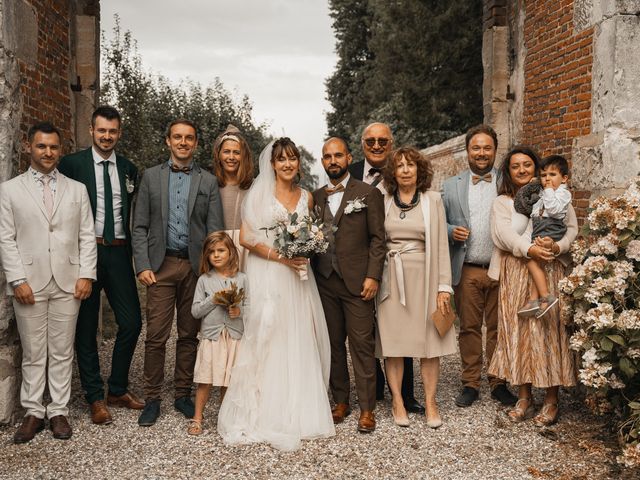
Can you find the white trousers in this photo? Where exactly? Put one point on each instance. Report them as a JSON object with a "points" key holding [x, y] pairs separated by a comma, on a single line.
{"points": [[47, 332]]}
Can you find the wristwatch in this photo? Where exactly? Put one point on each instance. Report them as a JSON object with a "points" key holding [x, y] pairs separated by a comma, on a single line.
{"points": [[17, 283]]}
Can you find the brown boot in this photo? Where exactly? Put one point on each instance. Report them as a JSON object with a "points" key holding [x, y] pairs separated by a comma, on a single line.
{"points": [[100, 413], [28, 429], [339, 412], [60, 427], [367, 422], [128, 400]]}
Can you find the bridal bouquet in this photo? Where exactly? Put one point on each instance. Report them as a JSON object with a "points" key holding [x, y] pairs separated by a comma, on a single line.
{"points": [[299, 236], [229, 297]]}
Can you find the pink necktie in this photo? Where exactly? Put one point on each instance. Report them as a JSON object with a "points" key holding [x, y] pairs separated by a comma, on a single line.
{"points": [[47, 194]]}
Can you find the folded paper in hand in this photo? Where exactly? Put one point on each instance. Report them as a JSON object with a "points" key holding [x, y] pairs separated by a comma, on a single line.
{"points": [[443, 321]]}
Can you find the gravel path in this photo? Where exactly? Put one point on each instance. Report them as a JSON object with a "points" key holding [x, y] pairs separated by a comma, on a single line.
{"points": [[474, 443]]}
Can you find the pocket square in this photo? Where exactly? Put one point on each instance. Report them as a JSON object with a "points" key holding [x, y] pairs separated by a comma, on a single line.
{"points": [[443, 321]]}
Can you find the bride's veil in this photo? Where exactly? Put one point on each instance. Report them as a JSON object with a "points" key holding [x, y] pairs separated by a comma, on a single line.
{"points": [[257, 206]]}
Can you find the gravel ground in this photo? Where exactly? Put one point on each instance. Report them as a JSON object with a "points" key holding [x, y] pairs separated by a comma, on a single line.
{"points": [[474, 443]]}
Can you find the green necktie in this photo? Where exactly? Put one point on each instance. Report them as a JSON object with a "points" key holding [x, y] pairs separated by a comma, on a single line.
{"points": [[108, 233]]}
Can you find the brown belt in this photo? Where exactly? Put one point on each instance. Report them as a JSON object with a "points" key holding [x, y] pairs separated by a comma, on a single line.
{"points": [[478, 265], [116, 242]]}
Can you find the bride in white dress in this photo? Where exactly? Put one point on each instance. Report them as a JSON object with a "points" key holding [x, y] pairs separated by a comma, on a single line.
{"points": [[278, 388]]}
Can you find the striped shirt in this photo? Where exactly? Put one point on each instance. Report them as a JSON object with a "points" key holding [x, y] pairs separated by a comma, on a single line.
{"points": [[178, 224]]}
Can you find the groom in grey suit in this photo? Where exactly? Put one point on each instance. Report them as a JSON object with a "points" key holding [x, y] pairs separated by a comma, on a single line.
{"points": [[468, 198], [178, 204]]}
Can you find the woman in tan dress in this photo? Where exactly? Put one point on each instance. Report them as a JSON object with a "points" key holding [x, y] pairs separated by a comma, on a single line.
{"points": [[233, 166], [530, 351], [416, 280]]}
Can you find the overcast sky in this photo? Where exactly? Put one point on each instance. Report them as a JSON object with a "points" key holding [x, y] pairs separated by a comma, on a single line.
{"points": [[278, 52]]}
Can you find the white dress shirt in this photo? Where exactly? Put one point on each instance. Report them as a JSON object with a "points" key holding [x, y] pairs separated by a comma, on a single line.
{"points": [[479, 243], [334, 200], [366, 177], [115, 189], [555, 203]]}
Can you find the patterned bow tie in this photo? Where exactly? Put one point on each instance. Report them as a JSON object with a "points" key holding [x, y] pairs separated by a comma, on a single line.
{"points": [[336, 189], [177, 169], [478, 178], [374, 171]]}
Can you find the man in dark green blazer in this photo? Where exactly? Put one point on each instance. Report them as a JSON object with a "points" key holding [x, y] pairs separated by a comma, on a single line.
{"points": [[110, 180]]}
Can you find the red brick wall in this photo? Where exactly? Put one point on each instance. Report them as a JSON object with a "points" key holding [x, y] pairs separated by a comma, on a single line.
{"points": [[45, 86], [557, 102]]}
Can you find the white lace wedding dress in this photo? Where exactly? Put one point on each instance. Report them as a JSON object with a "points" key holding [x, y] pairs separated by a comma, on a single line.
{"points": [[278, 388]]}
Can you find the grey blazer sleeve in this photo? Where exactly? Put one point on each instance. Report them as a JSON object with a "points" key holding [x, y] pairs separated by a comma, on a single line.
{"points": [[141, 222]]}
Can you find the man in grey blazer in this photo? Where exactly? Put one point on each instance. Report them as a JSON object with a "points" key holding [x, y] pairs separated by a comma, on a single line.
{"points": [[468, 198], [178, 204], [48, 255]]}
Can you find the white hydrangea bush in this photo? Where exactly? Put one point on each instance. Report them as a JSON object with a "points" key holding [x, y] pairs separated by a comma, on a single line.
{"points": [[602, 301]]}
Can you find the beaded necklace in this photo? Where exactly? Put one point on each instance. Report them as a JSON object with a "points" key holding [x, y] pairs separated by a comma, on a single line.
{"points": [[405, 207]]}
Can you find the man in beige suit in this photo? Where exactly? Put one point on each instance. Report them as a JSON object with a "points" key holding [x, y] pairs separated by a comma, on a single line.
{"points": [[48, 254]]}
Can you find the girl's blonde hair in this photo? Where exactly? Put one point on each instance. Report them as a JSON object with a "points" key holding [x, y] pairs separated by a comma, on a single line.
{"points": [[209, 243]]}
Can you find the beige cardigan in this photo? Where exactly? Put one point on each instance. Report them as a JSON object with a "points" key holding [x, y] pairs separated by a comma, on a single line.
{"points": [[508, 240]]}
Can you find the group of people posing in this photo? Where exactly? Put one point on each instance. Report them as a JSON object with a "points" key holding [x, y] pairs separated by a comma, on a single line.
{"points": [[397, 254]]}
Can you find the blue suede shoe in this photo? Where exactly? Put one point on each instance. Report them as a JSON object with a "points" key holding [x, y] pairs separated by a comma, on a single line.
{"points": [[185, 406], [150, 413]]}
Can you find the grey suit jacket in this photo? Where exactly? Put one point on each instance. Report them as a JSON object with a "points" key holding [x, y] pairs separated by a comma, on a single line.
{"points": [[151, 214], [456, 205]]}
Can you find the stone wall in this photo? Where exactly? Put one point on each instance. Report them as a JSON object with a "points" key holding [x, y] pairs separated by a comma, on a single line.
{"points": [[49, 57], [607, 156], [564, 77], [447, 158]]}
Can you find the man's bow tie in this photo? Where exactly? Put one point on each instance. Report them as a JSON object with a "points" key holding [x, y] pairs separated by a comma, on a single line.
{"points": [[336, 189], [478, 178], [185, 170], [374, 171]]}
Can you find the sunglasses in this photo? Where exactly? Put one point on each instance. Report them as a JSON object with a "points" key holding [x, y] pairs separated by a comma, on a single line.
{"points": [[370, 142]]}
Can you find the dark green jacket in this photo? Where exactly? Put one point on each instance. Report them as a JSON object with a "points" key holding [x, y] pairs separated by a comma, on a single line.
{"points": [[81, 167]]}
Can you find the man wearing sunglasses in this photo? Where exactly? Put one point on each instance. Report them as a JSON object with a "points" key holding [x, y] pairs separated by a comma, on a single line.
{"points": [[377, 142]]}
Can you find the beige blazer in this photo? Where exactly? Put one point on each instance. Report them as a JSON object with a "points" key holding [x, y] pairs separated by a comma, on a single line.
{"points": [[511, 233], [36, 248]]}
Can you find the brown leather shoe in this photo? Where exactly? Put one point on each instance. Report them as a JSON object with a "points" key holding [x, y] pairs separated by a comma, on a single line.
{"points": [[128, 400], [60, 427], [100, 413], [28, 429], [339, 412], [367, 422]]}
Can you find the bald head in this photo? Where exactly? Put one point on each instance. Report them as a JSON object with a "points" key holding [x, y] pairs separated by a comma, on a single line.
{"points": [[336, 159], [339, 140], [377, 142]]}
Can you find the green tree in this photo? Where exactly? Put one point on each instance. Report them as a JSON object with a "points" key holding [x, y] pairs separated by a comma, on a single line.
{"points": [[149, 102], [414, 64]]}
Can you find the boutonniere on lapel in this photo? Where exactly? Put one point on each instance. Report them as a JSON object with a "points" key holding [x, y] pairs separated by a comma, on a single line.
{"points": [[354, 206], [129, 184]]}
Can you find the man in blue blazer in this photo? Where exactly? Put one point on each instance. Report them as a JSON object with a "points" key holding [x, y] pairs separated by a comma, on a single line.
{"points": [[468, 198]]}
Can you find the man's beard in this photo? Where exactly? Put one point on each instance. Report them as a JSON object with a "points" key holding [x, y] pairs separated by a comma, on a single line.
{"points": [[336, 175], [478, 171]]}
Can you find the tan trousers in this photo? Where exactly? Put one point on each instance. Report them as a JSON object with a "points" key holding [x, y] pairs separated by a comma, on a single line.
{"points": [[47, 331], [476, 299], [173, 291]]}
